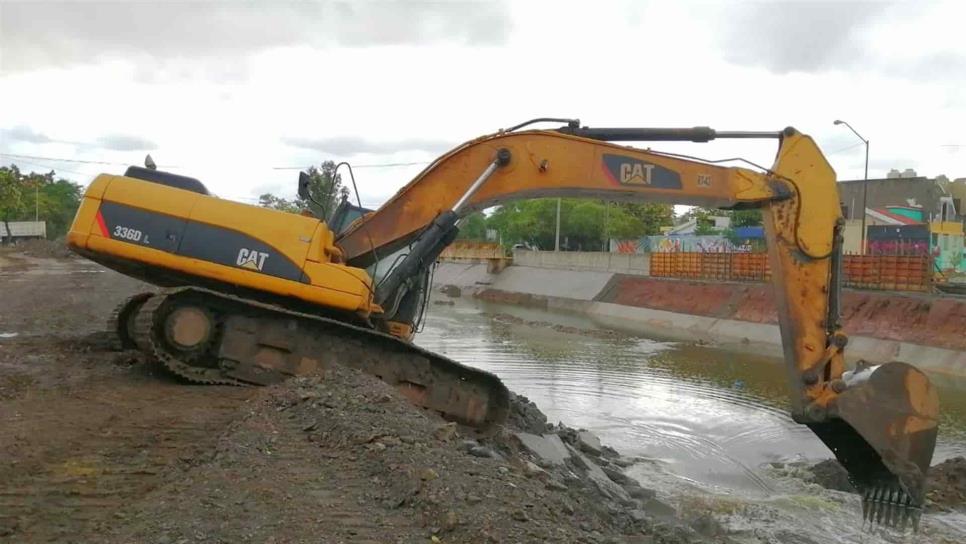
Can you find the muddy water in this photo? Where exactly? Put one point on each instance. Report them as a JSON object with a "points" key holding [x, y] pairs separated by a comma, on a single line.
{"points": [[710, 422]]}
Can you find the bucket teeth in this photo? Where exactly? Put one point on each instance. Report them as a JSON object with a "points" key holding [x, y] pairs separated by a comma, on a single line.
{"points": [[890, 506]]}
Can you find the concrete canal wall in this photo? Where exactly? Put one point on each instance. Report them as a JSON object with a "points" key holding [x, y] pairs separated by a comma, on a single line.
{"points": [[924, 330], [639, 264]]}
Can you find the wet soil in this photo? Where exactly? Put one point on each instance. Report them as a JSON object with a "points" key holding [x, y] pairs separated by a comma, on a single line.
{"points": [[104, 446], [945, 483]]}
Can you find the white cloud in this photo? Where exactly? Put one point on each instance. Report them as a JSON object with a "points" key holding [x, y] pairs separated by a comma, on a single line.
{"points": [[404, 98]]}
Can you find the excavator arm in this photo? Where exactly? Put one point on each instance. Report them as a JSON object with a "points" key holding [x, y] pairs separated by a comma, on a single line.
{"points": [[880, 421]]}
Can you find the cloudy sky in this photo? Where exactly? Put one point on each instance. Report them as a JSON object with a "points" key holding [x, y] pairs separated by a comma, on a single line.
{"points": [[242, 94]]}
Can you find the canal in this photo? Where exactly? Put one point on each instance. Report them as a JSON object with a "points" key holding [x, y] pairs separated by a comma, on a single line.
{"points": [[709, 425]]}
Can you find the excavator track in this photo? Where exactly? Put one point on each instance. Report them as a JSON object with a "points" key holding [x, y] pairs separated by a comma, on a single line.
{"points": [[209, 337], [144, 332], [121, 320]]}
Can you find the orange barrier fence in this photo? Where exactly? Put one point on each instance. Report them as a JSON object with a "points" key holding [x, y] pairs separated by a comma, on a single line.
{"points": [[890, 272], [887, 272], [711, 266]]}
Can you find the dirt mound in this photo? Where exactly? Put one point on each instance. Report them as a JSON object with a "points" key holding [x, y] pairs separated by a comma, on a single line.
{"points": [[947, 484], [347, 457], [50, 249], [831, 475]]}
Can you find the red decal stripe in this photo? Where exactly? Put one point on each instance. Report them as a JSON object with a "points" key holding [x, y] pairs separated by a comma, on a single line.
{"points": [[609, 175], [101, 224]]}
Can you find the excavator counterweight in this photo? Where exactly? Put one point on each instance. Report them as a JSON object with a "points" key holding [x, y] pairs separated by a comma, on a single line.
{"points": [[256, 295]]}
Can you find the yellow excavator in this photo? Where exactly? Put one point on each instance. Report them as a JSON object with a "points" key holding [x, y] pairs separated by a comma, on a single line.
{"points": [[253, 295]]}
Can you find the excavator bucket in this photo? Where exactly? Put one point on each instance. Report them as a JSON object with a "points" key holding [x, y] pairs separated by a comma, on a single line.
{"points": [[884, 436]]}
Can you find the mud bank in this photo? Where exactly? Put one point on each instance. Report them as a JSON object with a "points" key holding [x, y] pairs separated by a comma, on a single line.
{"points": [[923, 330], [945, 484]]}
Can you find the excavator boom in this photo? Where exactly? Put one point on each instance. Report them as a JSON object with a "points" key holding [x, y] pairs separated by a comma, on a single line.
{"points": [[881, 422]]}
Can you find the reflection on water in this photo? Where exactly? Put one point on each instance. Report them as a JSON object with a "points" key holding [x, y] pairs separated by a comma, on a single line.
{"points": [[709, 417]]}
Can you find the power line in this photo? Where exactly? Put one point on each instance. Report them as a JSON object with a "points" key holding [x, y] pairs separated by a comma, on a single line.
{"points": [[376, 165], [76, 173], [109, 163], [58, 159], [846, 148]]}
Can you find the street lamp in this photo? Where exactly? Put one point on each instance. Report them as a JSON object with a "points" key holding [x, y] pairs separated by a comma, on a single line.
{"points": [[865, 182]]}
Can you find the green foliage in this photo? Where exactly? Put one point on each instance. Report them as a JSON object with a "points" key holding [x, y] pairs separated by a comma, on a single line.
{"points": [[584, 224], [705, 223], [473, 227], [22, 196], [651, 216], [268, 200], [745, 218], [11, 193], [326, 189]]}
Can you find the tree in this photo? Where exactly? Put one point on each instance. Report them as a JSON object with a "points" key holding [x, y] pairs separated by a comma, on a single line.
{"points": [[326, 189], [54, 200], [745, 218], [268, 200], [584, 224], [473, 227], [652, 216], [11, 195], [704, 220]]}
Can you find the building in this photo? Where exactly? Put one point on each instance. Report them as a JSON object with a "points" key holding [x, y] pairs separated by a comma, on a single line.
{"points": [[919, 192], [900, 202]]}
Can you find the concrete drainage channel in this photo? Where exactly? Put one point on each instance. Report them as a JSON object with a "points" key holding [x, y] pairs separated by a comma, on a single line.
{"points": [[932, 341]]}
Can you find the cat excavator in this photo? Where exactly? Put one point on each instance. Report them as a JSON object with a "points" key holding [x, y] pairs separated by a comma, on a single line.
{"points": [[252, 295]]}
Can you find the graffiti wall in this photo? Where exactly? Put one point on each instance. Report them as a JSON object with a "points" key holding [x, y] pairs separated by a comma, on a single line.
{"points": [[686, 244]]}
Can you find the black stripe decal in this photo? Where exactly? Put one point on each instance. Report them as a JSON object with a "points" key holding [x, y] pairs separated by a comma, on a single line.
{"points": [[197, 240]]}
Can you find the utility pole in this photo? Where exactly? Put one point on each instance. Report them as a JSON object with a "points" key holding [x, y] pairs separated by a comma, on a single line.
{"points": [[606, 241], [556, 244], [865, 181], [37, 202]]}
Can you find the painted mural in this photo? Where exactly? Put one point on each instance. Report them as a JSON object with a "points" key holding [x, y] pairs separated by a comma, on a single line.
{"points": [[685, 244]]}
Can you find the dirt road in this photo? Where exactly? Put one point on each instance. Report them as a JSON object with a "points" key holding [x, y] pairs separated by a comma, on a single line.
{"points": [[85, 431]]}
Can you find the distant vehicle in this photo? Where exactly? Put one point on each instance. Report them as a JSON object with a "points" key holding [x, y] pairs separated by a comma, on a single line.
{"points": [[525, 246]]}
